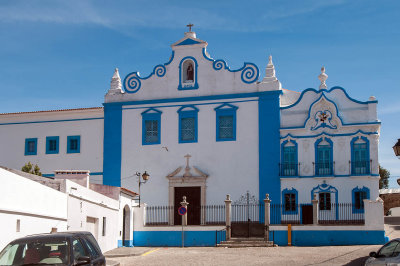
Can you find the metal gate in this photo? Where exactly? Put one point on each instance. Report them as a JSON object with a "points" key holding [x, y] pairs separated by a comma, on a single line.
{"points": [[248, 217]]}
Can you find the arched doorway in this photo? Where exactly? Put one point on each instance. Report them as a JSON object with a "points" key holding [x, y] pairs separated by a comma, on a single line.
{"points": [[126, 227]]}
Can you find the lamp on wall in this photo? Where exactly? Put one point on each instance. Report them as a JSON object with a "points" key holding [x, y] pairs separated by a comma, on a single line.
{"points": [[145, 176], [396, 148]]}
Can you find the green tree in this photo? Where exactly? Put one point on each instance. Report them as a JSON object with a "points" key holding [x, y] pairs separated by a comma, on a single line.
{"points": [[384, 180], [31, 169]]}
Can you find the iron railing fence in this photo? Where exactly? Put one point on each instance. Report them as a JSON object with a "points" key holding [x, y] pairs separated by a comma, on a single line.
{"points": [[288, 169], [213, 214], [324, 168], [341, 214], [360, 167], [164, 215], [285, 213], [328, 214], [159, 215]]}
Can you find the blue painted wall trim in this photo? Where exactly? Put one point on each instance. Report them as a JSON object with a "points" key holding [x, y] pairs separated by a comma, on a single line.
{"points": [[269, 147], [91, 173], [112, 145], [328, 134], [329, 238], [51, 121], [174, 238], [326, 91], [199, 98]]}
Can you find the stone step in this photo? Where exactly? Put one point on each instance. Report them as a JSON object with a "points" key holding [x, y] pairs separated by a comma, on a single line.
{"points": [[246, 242], [239, 239], [242, 245]]}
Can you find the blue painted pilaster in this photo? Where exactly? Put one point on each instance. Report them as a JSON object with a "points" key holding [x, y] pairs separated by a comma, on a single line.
{"points": [[269, 123], [112, 145]]}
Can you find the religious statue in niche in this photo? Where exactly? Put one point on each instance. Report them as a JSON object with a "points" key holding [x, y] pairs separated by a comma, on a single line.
{"points": [[189, 73]]}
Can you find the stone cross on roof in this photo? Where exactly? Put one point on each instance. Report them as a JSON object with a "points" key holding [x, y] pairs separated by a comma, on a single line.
{"points": [[190, 25]]}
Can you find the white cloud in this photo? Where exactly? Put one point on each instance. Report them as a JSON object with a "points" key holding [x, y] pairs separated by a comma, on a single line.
{"points": [[231, 16]]}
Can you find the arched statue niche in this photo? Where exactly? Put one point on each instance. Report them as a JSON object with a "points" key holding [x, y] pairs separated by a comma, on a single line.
{"points": [[188, 71]]}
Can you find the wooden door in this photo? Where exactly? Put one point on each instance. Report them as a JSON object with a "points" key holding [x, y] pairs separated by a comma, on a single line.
{"points": [[193, 196]]}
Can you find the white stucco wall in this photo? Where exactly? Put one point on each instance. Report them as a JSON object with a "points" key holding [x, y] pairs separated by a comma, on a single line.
{"points": [[349, 119], [232, 166], [84, 203], [39, 208], [15, 128]]}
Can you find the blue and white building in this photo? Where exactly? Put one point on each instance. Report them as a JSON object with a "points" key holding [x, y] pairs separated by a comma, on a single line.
{"points": [[201, 128]]}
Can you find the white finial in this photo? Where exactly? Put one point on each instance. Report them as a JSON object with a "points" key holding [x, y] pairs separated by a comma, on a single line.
{"points": [[270, 60], [116, 85], [323, 77], [270, 70], [270, 80]]}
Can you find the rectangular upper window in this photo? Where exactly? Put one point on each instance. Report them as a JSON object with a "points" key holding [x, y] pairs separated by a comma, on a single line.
{"points": [[31, 146], [73, 144], [226, 122], [52, 144], [188, 124], [151, 127]]}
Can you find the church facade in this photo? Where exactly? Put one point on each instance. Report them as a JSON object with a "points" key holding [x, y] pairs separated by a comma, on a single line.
{"points": [[204, 130]]}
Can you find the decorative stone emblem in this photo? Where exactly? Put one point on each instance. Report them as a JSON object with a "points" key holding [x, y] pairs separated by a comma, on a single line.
{"points": [[323, 119]]}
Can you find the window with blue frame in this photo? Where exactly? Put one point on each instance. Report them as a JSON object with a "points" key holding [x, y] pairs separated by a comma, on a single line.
{"points": [[289, 197], [290, 202], [324, 160], [151, 127], [31, 146], [360, 164], [226, 122], [73, 144], [359, 195], [52, 144], [325, 201], [289, 159], [188, 124]]}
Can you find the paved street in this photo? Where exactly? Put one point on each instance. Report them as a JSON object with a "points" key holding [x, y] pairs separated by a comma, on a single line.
{"points": [[331, 255]]}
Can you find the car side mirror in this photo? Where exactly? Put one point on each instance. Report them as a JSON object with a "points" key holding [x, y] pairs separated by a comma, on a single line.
{"points": [[82, 260], [372, 254]]}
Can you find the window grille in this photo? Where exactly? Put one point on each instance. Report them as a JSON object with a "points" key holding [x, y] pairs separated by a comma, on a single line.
{"points": [[188, 129], [226, 127], [151, 134]]}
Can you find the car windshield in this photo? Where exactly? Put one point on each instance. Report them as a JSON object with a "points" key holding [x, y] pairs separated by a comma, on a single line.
{"points": [[36, 252]]}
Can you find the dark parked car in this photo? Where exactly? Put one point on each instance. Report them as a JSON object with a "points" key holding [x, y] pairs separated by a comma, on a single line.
{"points": [[68, 248]]}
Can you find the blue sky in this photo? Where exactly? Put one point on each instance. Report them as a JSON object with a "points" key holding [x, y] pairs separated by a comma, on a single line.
{"points": [[62, 54]]}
